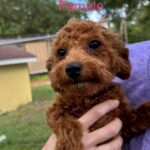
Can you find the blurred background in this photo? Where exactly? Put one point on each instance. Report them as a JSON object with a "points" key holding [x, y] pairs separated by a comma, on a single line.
{"points": [[27, 28]]}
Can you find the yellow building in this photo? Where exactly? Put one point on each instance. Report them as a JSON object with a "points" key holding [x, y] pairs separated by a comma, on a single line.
{"points": [[15, 89]]}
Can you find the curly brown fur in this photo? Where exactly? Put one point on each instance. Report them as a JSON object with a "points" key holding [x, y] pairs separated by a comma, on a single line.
{"points": [[93, 86]]}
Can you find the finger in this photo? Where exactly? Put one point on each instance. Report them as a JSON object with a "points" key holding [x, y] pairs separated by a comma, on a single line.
{"points": [[105, 133], [115, 144], [97, 112], [51, 143]]}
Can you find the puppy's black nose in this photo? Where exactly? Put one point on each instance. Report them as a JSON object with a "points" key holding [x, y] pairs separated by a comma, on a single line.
{"points": [[73, 70]]}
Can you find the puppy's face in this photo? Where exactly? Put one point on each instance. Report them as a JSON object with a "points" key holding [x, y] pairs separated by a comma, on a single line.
{"points": [[85, 58]]}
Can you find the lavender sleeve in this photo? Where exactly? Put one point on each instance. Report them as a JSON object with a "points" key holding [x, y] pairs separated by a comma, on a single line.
{"points": [[137, 87]]}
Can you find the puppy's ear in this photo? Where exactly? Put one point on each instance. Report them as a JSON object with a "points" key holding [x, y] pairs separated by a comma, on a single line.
{"points": [[123, 66], [119, 54], [103, 22], [49, 64]]}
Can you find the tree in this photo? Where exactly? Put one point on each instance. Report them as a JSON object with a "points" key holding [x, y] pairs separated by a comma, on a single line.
{"points": [[26, 17], [135, 12]]}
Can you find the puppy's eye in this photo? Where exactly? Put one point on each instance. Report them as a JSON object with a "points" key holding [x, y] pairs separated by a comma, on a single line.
{"points": [[61, 53], [94, 44]]}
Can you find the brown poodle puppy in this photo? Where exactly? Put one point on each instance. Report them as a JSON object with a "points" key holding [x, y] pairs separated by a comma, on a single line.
{"points": [[85, 58]]}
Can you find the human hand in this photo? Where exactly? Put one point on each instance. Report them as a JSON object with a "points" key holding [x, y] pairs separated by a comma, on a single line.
{"points": [[90, 140]]}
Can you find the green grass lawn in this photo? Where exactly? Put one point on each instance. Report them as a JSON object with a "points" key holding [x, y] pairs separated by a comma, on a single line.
{"points": [[37, 77], [26, 128]]}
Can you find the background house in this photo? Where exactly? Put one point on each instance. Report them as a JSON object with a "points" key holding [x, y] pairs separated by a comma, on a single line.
{"points": [[15, 87], [39, 46]]}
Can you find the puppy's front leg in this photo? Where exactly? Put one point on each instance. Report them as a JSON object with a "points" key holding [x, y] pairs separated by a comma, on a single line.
{"points": [[69, 135], [136, 120], [67, 130]]}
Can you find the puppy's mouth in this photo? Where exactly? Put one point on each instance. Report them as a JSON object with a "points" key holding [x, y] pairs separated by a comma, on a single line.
{"points": [[82, 82], [82, 87], [79, 81]]}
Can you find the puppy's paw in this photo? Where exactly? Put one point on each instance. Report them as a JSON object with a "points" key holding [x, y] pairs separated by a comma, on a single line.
{"points": [[69, 136]]}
